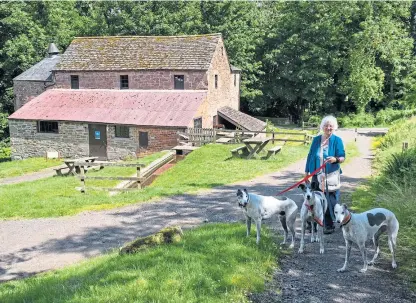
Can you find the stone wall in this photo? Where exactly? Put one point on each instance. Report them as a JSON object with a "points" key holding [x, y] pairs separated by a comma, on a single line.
{"points": [[226, 93], [25, 91], [73, 141], [146, 79]]}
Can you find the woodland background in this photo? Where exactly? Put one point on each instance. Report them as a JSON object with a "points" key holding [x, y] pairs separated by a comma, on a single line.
{"points": [[302, 59]]}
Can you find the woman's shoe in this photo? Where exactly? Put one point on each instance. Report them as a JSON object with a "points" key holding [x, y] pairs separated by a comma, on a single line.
{"points": [[329, 229]]}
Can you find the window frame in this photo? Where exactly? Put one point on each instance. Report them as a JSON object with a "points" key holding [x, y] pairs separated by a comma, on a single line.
{"points": [[120, 131], [178, 85], [46, 127], [124, 80], [197, 120], [74, 79]]}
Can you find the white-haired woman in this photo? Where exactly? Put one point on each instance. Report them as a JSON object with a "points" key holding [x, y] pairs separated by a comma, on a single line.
{"points": [[326, 146]]}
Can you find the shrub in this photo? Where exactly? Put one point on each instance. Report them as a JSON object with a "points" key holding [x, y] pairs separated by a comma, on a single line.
{"points": [[401, 166]]}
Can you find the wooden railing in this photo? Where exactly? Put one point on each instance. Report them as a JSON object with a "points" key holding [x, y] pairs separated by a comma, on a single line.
{"points": [[199, 136]]}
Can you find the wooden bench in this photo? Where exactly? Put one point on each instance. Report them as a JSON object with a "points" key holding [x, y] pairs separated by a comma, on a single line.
{"points": [[59, 169], [274, 150], [236, 151]]}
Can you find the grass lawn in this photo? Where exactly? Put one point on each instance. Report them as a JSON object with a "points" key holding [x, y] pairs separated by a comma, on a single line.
{"points": [[213, 263], [204, 168], [21, 167]]}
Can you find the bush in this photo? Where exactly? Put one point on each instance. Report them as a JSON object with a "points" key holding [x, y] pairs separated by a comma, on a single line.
{"points": [[401, 166]]}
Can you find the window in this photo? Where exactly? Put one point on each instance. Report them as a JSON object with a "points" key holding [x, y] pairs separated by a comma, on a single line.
{"points": [[235, 80], [124, 82], [179, 81], [74, 82], [122, 131], [48, 127], [198, 123], [143, 139], [216, 81]]}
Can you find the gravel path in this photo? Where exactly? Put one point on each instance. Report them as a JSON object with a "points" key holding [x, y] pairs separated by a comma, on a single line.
{"points": [[28, 247]]}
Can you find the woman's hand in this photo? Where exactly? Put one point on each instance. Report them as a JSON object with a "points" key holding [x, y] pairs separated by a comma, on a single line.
{"points": [[331, 159]]}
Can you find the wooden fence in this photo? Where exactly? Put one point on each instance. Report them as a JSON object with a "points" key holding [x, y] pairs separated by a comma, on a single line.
{"points": [[199, 136], [83, 177]]}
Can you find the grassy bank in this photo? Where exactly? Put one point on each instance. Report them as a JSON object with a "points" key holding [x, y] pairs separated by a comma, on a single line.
{"points": [[21, 167], [204, 168], [215, 263], [395, 188]]}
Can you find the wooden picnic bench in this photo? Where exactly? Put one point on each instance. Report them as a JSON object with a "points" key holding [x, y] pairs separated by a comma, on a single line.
{"points": [[59, 169], [74, 164], [236, 151], [274, 150]]}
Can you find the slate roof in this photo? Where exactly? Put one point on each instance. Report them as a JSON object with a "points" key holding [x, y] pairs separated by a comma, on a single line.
{"points": [[41, 71], [129, 107], [139, 52], [241, 119]]}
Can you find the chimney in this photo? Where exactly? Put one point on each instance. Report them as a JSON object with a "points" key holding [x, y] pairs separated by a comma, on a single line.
{"points": [[52, 50]]}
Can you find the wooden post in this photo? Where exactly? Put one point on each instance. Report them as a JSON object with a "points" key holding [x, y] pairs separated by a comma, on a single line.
{"points": [[356, 134], [82, 179], [305, 138], [405, 146], [139, 186], [273, 137], [303, 125]]}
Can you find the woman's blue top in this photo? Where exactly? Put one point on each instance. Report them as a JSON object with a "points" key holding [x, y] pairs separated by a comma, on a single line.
{"points": [[335, 149]]}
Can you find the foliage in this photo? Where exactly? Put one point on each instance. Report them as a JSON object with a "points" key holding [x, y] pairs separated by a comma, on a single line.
{"points": [[295, 56], [213, 263], [57, 196], [401, 166], [21, 167]]}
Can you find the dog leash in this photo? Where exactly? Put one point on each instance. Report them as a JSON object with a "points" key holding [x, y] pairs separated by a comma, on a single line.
{"points": [[304, 179]]}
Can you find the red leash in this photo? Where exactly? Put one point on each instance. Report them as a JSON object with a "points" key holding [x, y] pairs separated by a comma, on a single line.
{"points": [[304, 179]]}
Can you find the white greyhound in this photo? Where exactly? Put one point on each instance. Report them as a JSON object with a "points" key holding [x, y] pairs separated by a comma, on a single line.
{"points": [[358, 228], [256, 208], [313, 210]]}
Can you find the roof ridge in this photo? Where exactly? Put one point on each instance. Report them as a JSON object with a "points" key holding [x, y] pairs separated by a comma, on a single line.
{"points": [[143, 36]]}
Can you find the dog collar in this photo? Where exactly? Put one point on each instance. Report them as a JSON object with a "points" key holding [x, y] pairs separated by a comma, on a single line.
{"points": [[316, 219], [346, 220]]}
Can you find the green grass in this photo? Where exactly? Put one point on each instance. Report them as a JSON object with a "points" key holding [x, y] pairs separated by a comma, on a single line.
{"points": [[213, 263], [21, 167], [204, 168], [351, 151], [398, 196]]}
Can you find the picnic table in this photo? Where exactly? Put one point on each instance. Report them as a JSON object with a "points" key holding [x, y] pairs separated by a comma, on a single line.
{"points": [[255, 145], [70, 163]]}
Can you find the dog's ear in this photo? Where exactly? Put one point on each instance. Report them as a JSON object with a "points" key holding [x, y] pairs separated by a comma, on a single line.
{"points": [[239, 192], [344, 206], [245, 190], [302, 186]]}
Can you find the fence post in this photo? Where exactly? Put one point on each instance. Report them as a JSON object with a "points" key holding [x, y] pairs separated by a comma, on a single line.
{"points": [[405, 146], [356, 134], [303, 125], [82, 179], [139, 186], [273, 137]]}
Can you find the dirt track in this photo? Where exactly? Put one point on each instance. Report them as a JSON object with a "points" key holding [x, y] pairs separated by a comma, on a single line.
{"points": [[31, 246]]}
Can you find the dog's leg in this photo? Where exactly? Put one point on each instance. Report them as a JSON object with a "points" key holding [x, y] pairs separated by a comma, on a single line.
{"points": [[376, 244], [248, 223], [312, 233], [284, 225], [291, 224], [302, 236], [258, 227], [321, 239], [364, 255], [348, 245], [393, 231], [392, 245]]}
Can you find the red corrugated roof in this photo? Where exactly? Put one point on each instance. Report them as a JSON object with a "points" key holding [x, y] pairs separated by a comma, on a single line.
{"points": [[130, 107]]}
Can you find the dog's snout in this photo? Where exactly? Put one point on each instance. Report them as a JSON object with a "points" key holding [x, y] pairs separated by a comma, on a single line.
{"points": [[308, 197]]}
